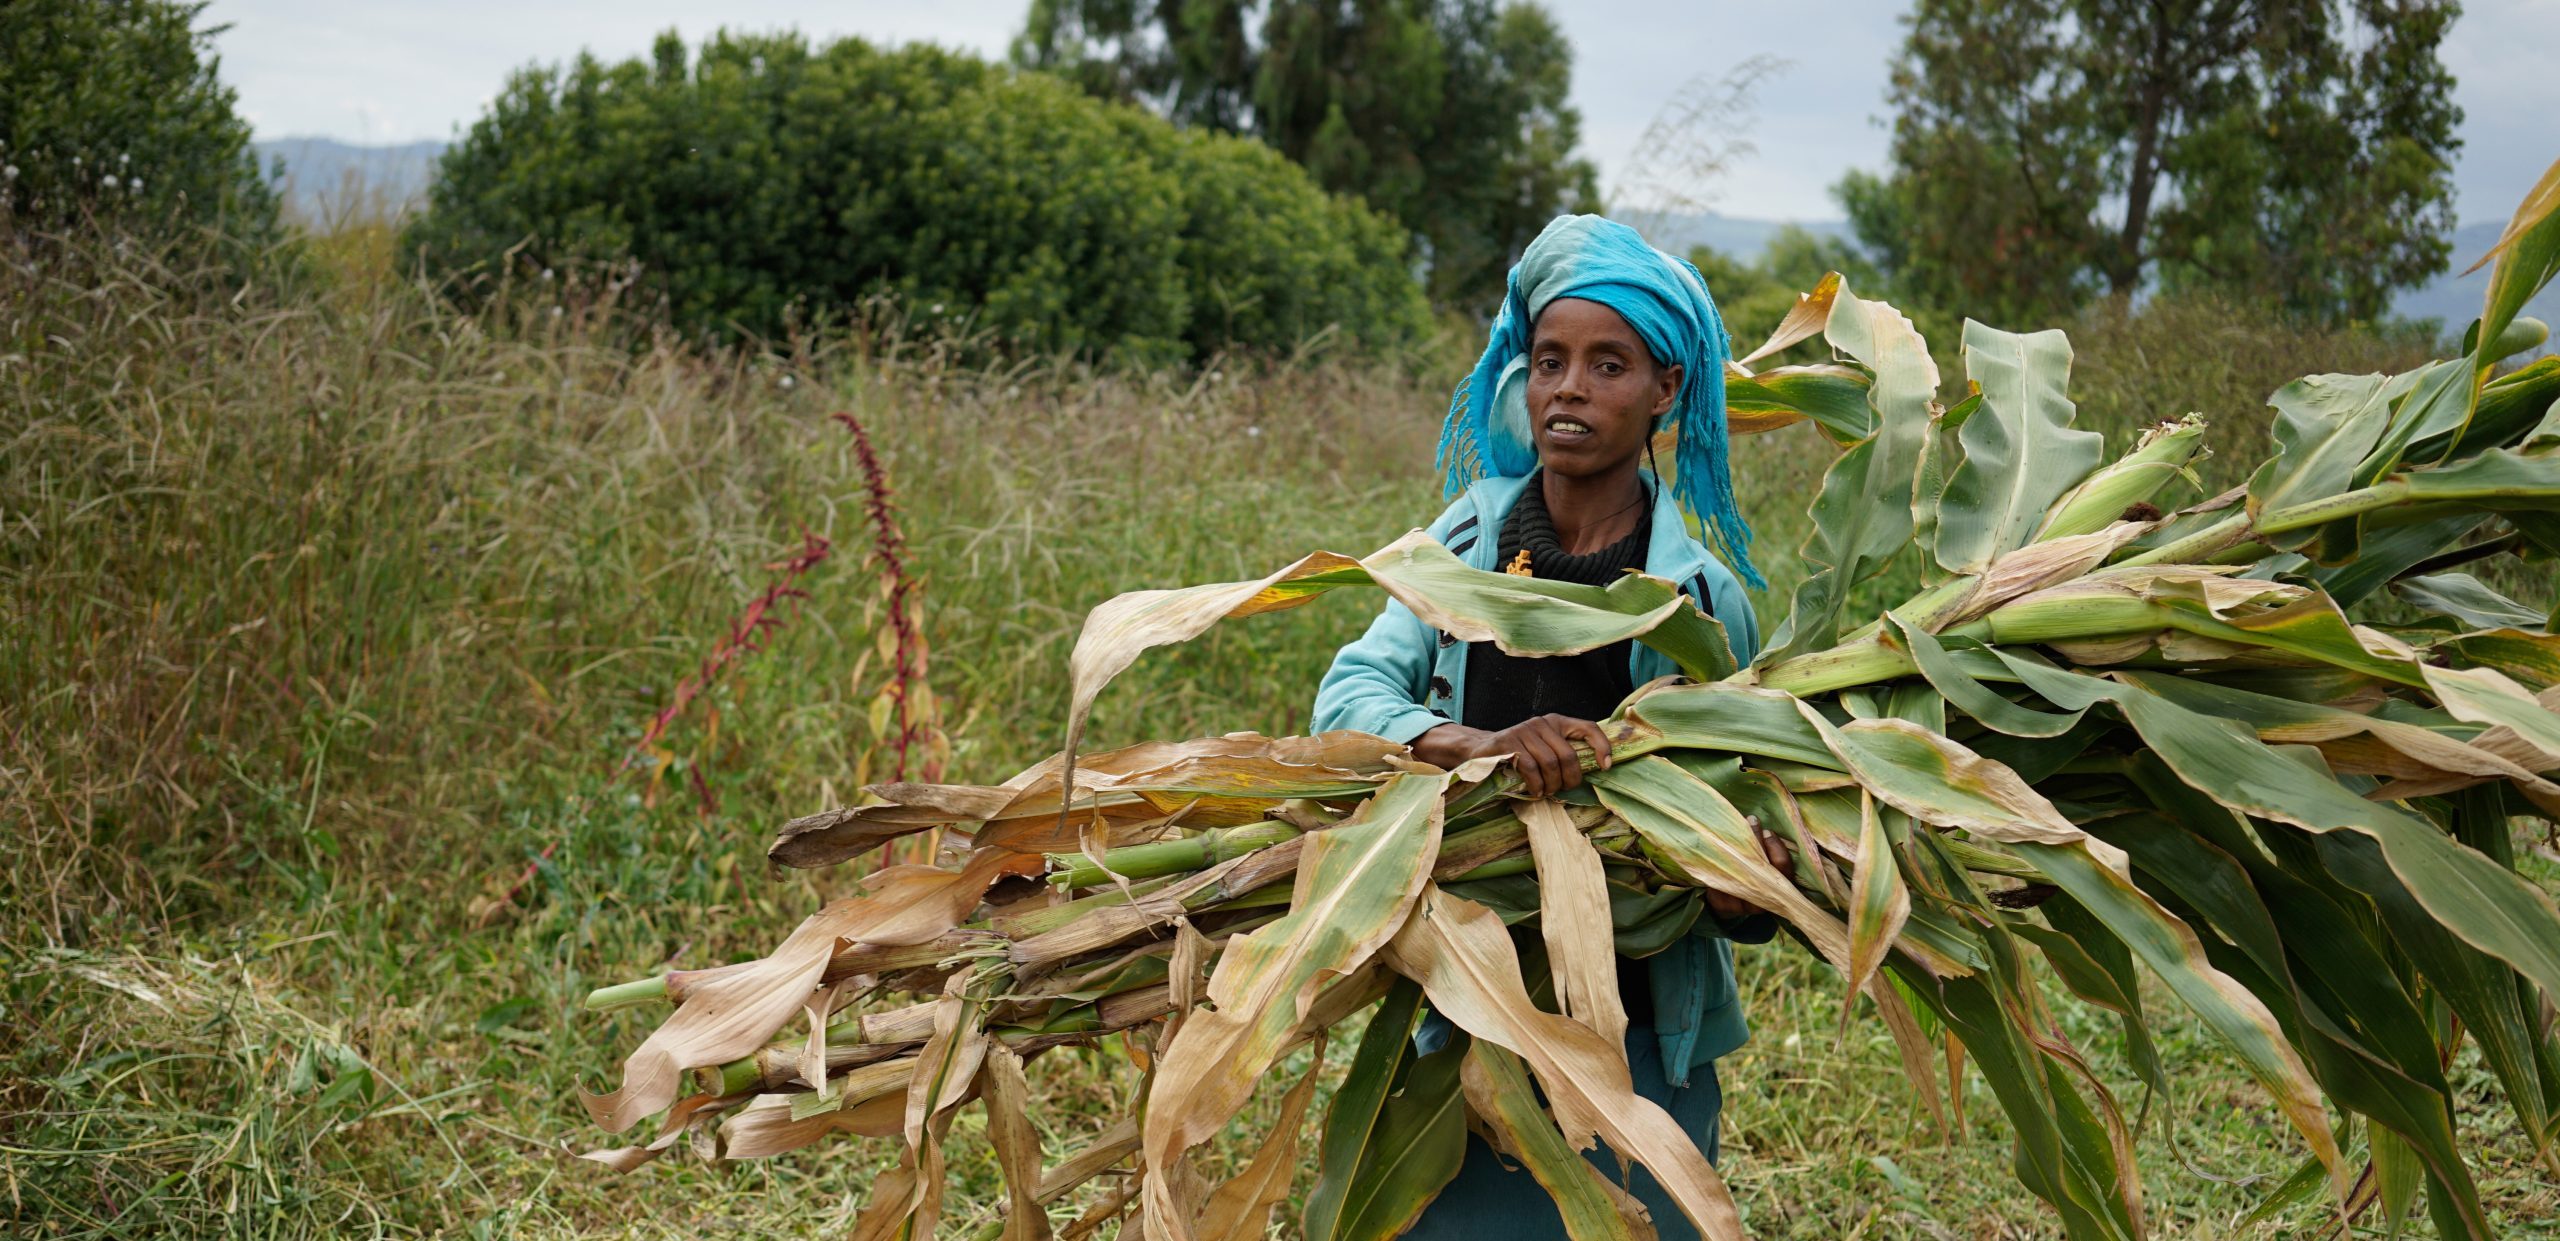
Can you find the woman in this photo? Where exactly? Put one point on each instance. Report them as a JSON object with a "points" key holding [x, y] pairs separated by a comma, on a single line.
{"points": [[1601, 340]]}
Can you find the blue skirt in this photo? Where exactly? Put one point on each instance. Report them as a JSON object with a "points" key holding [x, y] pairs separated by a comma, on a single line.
{"points": [[1492, 1200]]}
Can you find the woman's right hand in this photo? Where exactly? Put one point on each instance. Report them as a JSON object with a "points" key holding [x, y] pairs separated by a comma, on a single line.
{"points": [[1541, 749]]}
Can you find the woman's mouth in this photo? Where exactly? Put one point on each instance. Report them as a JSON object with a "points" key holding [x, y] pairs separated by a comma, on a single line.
{"points": [[1566, 430]]}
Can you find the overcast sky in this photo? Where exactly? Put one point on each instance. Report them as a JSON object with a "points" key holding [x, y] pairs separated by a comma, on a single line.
{"points": [[379, 72]]}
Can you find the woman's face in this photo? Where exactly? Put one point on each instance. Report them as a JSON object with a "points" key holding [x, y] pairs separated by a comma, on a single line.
{"points": [[1594, 389]]}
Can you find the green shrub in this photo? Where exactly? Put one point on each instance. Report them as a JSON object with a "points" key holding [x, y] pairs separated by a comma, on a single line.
{"points": [[763, 182], [110, 109]]}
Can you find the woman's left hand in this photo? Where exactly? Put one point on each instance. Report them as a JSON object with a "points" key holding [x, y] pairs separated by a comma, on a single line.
{"points": [[1730, 908]]}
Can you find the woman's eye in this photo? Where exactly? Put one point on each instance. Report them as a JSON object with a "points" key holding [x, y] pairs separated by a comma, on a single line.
{"points": [[1611, 369]]}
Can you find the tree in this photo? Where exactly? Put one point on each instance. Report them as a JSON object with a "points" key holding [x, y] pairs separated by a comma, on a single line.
{"points": [[762, 180], [113, 110], [2296, 153], [1450, 115]]}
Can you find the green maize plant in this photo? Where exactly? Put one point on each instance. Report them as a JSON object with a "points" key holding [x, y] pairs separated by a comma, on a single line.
{"points": [[2102, 741]]}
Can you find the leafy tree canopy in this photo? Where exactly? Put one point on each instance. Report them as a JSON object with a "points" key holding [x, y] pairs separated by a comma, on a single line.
{"points": [[1450, 115], [111, 109], [2296, 153], [762, 179]]}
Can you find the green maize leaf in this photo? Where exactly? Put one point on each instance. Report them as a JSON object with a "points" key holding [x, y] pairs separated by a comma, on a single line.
{"points": [[2195, 856], [2325, 425], [1692, 831], [2469, 600], [1385, 1051], [2397, 1174], [2101, 951], [2486, 904], [1835, 397], [1862, 517], [2020, 451], [2072, 962], [2341, 968], [1879, 904], [2291, 1192], [1970, 695], [1917, 702], [1519, 614], [2416, 1108], [2542, 530], [1737, 719], [1939, 936], [2061, 1150], [2037, 759], [1401, 1161], [2479, 990], [2500, 480], [1762, 796], [1935, 780], [1940, 454], [2508, 406], [2387, 553], [2438, 403], [2528, 255], [1498, 1091], [2311, 627], [2530, 657], [2171, 949], [1355, 883], [2067, 690]]}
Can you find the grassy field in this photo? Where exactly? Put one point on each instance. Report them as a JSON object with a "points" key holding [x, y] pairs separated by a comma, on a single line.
{"points": [[332, 616]]}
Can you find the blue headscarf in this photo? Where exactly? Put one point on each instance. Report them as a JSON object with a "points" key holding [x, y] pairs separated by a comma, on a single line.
{"points": [[1666, 301]]}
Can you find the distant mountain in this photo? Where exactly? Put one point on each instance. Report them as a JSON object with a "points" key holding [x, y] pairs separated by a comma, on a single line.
{"points": [[323, 177]]}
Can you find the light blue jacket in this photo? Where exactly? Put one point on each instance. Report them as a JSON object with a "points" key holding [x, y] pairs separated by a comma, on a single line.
{"points": [[1402, 678]]}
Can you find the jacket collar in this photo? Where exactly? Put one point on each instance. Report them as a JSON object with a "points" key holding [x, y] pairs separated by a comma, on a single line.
{"points": [[1670, 554]]}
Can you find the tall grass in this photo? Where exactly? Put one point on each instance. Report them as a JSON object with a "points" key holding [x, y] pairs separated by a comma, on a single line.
{"points": [[329, 610]]}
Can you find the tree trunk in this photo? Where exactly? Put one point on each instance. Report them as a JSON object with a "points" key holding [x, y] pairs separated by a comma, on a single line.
{"points": [[2144, 172]]}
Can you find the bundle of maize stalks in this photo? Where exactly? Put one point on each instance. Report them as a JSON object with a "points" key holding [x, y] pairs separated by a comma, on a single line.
{"points": [[2106, 738]]}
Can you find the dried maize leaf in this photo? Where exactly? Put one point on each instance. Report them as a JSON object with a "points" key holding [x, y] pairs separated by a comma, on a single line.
{"points": [[688, 1112], [1239, 1209], [1016, 1143], [733, 1016], [769, 1126], [1107, 1148], [1460, 953], [1573, 918], [1353, 888]]}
